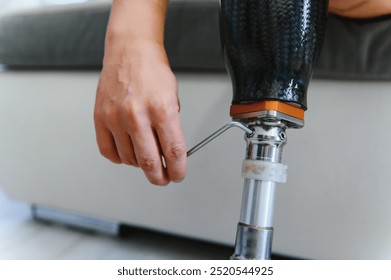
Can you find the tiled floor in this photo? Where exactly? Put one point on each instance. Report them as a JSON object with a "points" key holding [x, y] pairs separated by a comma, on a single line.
{"points": [[23, 238]]}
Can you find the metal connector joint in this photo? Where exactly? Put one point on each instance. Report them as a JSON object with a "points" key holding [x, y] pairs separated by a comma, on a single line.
{"points": [[262, 170]]}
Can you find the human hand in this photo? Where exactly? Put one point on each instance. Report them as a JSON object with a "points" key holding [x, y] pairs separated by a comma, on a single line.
{"points": [[137, 114]]}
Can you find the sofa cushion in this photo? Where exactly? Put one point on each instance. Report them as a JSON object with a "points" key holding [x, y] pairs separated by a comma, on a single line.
{"points": [[54, 36], [74, 37], [356, 49]]}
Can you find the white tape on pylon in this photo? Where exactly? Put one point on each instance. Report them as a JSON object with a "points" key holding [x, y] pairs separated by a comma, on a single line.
{"points": [[264, 171]]}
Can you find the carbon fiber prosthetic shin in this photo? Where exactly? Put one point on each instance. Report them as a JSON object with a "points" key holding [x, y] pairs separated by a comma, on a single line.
{"points": [[270, 49]]}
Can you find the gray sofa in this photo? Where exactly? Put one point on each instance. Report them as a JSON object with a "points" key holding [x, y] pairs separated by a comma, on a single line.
{"points": [[335, 204], [74, 37]]}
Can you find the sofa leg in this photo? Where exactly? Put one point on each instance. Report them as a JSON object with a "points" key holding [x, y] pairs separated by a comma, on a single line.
{"points": [[75, 220]]}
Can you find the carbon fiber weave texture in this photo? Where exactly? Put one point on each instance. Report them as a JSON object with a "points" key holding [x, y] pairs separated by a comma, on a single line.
{"points": [[271, 47]]}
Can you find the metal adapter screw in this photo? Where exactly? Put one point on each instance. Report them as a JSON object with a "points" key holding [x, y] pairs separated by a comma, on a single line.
{"points": [[249, 131]]}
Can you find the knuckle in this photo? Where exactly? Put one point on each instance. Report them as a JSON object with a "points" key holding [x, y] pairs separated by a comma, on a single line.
{"points": [[176, 151], [98, 116], [127, 109], [162, 112], [131, 116], [112, 117], [130, 162], [108, 153], [148, 164]]}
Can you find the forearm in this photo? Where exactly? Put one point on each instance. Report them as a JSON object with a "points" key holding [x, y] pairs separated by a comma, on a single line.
{"points": [[133, 26], [136, 111], [360, 8]]}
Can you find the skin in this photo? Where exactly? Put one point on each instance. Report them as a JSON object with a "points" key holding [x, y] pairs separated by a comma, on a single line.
{"points": [[136, 112]]}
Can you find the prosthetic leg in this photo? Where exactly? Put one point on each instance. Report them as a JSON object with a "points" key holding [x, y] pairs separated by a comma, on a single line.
{"points": [[270, 49]]}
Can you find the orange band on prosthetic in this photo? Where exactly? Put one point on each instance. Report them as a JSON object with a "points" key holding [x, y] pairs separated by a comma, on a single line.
{"points": [[269, 105]]}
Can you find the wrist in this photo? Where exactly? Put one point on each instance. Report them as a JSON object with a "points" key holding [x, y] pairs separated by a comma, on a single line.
{"points": [[123, 50], [135, 32], [135, 24]]}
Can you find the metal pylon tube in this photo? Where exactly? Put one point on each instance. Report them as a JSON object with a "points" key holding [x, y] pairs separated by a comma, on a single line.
{"points": [[255, 228]]}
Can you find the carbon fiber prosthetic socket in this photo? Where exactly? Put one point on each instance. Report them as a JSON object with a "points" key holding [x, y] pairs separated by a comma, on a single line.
{"points": [[271, 47]]}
